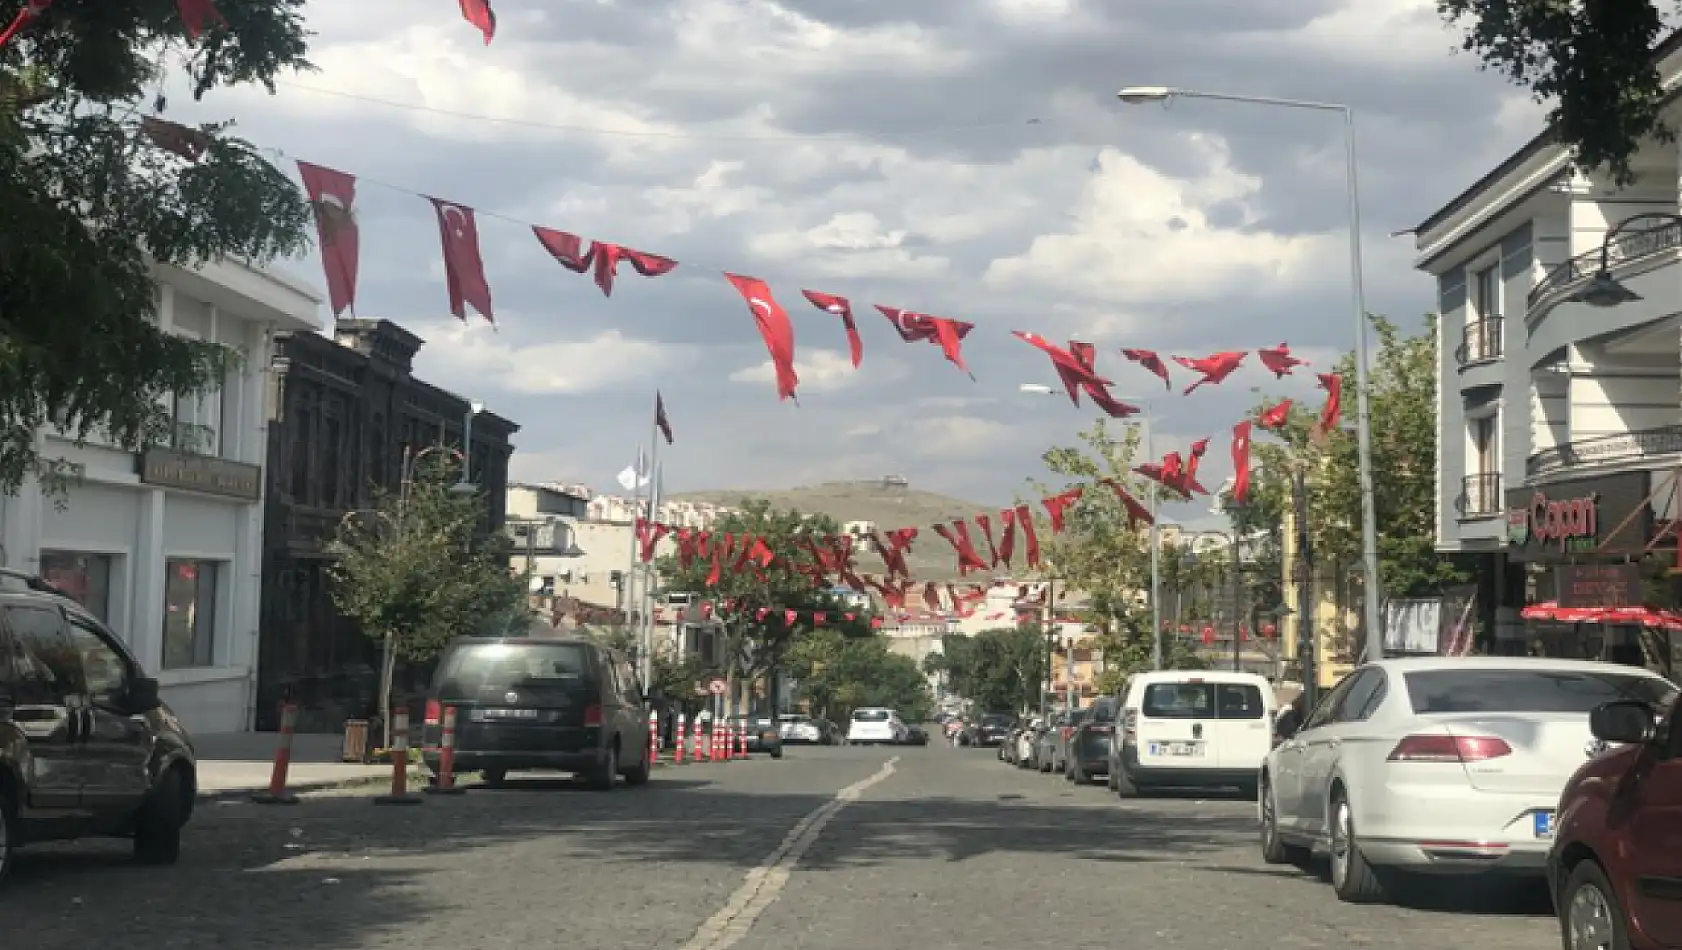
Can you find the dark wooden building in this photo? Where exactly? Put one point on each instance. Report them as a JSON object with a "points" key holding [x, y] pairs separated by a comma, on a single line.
{"points": [[345, 408]]}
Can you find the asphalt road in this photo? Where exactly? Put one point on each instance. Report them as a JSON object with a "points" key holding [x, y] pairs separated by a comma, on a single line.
{"points": [[924, 849]]}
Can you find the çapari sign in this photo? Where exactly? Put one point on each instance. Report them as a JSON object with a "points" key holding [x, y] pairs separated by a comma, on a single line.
{"points": [[1569, 525]]}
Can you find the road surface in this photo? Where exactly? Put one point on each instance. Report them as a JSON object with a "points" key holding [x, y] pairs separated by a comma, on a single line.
{"points": [[829, 849]]}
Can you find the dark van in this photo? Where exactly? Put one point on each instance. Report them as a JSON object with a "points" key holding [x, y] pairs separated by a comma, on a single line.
{"points": [[552, 703]]}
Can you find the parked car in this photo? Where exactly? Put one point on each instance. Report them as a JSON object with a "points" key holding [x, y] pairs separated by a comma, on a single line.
{"points": [[1043, 753], [875, 725], [804, 730], [1613, 864], [1088, 754], [1061, 736], [1438, 766], [761, 733], [992, 728], [86, 746], [1022, 743], [1192, 728], [553, 703], [915, 734]]}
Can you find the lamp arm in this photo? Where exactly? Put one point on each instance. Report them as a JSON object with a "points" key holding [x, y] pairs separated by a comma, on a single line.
{"points": [[1623, 227]]}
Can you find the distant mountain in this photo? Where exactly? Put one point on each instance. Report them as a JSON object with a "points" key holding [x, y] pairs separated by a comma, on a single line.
{"points": [[889, 502]]}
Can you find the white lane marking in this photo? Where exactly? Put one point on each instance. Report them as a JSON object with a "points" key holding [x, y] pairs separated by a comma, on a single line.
{"points": [[765, 882]]}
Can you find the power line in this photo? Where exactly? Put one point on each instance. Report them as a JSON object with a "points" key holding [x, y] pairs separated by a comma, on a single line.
{"points": [[654, 134]]}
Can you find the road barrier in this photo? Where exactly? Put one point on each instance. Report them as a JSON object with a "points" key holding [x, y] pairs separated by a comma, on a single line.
{"points": [[682, 737], [653, 737], [399, 753], [277, 793], [742, 742], [445, 784], [700, 741]]}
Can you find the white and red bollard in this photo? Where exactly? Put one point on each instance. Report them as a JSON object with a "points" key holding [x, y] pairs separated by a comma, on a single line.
{"points": [[742, 743], [446, 781], [700, 741], [653, 737], [399, 752], [682, 737], [277, 793]]}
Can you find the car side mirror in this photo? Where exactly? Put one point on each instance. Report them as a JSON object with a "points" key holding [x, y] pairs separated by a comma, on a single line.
{"points": [[143, 695], [1624, 720]]}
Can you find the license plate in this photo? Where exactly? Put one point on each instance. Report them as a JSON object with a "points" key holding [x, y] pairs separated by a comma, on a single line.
{"points": [[1183, 749], [483, 714], [1544, 824]]}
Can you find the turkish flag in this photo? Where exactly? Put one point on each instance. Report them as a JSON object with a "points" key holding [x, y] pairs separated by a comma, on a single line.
{"points": [[480, 14], [464, 270], [1332, 411], [1241, 462], [842, 308], [197, 14], [333, 196], [774, 327]]}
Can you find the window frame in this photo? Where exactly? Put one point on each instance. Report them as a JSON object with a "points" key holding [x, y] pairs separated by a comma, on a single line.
{"points": [[212, 647], [82, 620]]}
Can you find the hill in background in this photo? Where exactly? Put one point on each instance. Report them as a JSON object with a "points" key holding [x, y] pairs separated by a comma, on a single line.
{"points": [[889, 502]]}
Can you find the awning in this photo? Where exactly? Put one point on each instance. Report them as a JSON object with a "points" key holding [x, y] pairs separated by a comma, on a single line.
{"points": [[1629, 616]]}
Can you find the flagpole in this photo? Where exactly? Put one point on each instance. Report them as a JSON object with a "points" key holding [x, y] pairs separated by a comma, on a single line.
{"points": [[645, 636], [628, 596]]}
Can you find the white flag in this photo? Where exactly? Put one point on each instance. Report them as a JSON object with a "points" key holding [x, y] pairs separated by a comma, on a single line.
{"points": [[628, 478], [635, 476]]}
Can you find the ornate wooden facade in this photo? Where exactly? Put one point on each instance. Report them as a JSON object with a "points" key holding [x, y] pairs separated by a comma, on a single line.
{"points": [[343, 413]]}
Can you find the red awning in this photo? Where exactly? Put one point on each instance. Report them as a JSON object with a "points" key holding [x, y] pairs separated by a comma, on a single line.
{"points": [[1634, 616]]}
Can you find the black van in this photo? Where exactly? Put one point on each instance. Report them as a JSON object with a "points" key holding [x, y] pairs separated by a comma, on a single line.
{"points": [[540, 703]]}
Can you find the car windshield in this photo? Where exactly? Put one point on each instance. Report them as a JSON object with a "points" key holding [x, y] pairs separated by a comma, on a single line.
{"points": [[1530, 690], [1103, 710], [996, 720], [871, 715], [476, 667]]}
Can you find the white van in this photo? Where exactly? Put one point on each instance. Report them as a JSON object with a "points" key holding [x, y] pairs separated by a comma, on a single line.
{"points": [[1193, 728], [874, 725]]}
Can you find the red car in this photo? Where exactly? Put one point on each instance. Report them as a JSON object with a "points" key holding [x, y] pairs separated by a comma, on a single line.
{"points": [[1615, 868]]}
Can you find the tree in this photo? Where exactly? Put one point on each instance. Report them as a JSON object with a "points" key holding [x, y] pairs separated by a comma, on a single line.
{"points": [[1592, 59], [998, 669], [1106, 555], [751, 604], [838, 674], [414, 573], [93, 194], [1402, 397]]}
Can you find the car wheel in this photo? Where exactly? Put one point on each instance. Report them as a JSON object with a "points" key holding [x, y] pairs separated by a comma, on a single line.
{"points": [[1274, 849], [8, 837], [777, 753], [603, 776], [1590, 918], [1353, 879], [494, 777], [157, 826], [1074, 773], [639, 774]]}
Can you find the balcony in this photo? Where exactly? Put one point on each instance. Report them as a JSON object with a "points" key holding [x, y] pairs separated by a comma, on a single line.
{"points": [[1620, 447], [1480, 495], [1632, 245], [1480, 341]]}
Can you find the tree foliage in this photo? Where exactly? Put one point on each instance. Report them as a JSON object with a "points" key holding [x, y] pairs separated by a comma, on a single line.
{"points": [[1002, 669], [838, 674], [90, 203], [756, 642], [418, 569], [1591, 59], [1403, 403]]}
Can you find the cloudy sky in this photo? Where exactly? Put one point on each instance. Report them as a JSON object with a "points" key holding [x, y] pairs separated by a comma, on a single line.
{"points": [[965, 158]]}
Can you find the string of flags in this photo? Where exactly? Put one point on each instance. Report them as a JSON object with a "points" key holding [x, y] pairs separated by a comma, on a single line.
{"points": [[200, 15]]}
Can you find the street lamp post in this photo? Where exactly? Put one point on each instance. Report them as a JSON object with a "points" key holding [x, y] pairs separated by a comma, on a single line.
{"points": [[465, 486], [388, 642], [1603, 290], [1136, 95]]}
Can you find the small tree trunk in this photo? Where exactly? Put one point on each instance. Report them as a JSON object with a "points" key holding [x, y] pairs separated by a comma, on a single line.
{"points": [[388, 669]]}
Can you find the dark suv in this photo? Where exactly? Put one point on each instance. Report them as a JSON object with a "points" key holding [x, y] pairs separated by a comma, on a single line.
{"points": [[86, 746], [541, 703]]}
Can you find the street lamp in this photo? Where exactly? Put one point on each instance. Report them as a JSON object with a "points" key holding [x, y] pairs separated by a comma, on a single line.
{"points": [[465, 486], [1603, 290], [1146, 436], [1136, 95]]}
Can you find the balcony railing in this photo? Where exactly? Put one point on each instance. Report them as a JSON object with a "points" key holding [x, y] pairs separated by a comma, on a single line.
{"points": [[1480, 495], [1632, 245], [1480, 340], [1622, 446]]}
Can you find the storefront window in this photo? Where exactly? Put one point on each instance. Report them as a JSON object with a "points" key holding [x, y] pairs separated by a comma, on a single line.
{"points": [[189, 613], [85, 577]]}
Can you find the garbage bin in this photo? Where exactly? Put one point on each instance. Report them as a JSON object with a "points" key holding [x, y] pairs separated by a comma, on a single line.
{"points": [[356, 741]]}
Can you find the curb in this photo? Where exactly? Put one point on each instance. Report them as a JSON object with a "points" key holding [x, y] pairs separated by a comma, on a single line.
{"points": [[321, 785]]}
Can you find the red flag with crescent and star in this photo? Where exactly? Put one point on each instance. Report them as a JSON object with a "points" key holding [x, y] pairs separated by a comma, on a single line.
{"points": [[774, 328], [1274, 417], [1278, 360], [196, 15], [464, 269], [1214, 368], [1149, 359], [1332, 412], [842, 308], [603, 258], [480, 14], [333, 198], [944, 332], [1241, 462]]}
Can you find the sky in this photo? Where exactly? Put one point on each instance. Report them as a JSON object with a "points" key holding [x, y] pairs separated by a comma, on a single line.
{"points": [[962, 158]]}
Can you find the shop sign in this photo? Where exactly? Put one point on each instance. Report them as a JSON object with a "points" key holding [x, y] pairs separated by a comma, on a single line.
{"points": [[1569, 525], [1598, 585], [168, 468]]}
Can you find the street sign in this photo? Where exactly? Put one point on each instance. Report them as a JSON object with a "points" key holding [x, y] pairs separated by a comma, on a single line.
{"points": [[701, 688], [716, 686]]}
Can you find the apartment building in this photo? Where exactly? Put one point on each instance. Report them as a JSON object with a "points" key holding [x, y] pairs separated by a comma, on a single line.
{"points": [[1559, 381]]}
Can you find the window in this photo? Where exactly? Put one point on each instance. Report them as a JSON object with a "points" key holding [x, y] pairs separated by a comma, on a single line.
{"points": [[332, 434], [1361, 699], [190, 613], [43, 661], [302, 425], [1487, 288], [1179, 701], [103, 668], [1238, 701], [1326, 709], [1484, 444], [85, 578], [628, 688], [1529, 691]]}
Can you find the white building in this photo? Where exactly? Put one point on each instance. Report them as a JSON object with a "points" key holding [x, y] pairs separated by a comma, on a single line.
{"points": [[166, 545], [1574, 408]]}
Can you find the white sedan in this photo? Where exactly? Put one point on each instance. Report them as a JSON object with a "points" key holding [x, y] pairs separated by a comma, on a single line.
{"points": [[1437, 765]]}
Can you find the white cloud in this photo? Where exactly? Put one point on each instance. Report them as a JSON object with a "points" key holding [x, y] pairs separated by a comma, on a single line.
{"points": [[474, 357], [820, 371]]}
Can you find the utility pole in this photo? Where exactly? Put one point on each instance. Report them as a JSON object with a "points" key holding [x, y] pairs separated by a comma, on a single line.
{"points": [[1303, 572], [1237, 511]]}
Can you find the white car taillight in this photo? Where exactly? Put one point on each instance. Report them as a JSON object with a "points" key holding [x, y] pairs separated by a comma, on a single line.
{"points": [[1457, 749]]}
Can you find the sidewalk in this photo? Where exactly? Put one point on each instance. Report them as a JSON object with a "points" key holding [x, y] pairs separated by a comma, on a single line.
{"points": [[233, 763]]}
